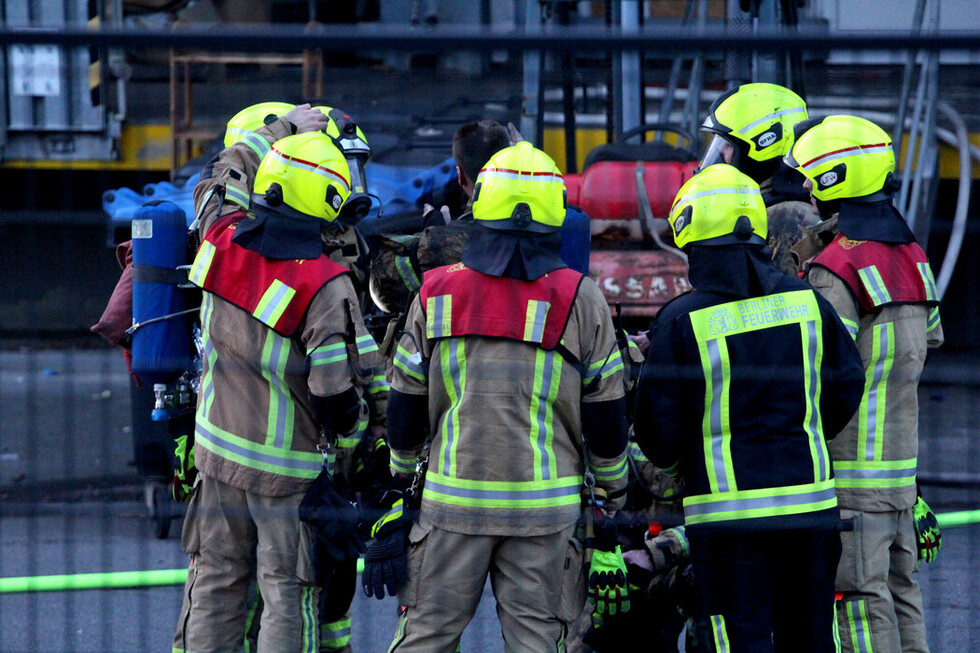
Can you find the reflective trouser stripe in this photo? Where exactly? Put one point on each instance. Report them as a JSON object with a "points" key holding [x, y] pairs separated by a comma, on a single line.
{"points": [[836, 631], [875, 285], [308, 605], [871, 413], [720, 634], [764, 502], [859, 626], [452, 359]]}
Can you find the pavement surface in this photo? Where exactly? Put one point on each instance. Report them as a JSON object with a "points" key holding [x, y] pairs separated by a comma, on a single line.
{"points": [[72, 502]]}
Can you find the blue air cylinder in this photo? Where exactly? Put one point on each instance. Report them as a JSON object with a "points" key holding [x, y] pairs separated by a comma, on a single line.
{"points": [[162, 338]]}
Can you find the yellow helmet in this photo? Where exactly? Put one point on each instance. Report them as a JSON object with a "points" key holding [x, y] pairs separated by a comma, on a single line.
{"points": [[844, 157], [755, 123], [349, 138], [718, 206], [303, 175], [520, 188], [251, 118]]}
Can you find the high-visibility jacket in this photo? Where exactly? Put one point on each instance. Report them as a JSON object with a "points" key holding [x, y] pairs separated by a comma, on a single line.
{"points": [[886, 296], [255, 426], [506, 366], [739, 395], [276, 293]]}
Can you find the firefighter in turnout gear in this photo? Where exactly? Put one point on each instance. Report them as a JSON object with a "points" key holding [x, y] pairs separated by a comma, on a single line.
{"points": [[509, 360], [880, 283], [285, 354], [746, 378], [752, 127]]}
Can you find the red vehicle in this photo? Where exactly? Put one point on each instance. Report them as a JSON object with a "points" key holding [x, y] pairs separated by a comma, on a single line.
{"points": [[627, 190]]}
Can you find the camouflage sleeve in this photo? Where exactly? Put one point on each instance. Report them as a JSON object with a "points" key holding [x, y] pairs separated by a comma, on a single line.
{"points": [[226, 181], [786, 224]]}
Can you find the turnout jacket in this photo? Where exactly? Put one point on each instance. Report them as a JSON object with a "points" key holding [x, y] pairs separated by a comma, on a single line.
{"points": [[256, 425], [886, 296], [746, 378], [505, 406]]}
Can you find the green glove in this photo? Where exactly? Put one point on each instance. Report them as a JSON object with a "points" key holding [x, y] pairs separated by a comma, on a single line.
{"points": [[930, 539], [184, 470], [607, 582], [608, 587]]}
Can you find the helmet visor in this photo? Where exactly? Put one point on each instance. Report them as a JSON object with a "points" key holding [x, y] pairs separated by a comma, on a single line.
{"points": [[358, 181], [720, 150], [790, 160]]}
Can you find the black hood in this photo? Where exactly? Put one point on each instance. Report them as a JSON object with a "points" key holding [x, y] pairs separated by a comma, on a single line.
{"points": [[879, 221], [276, 236], [523, 256], [738, 271]]}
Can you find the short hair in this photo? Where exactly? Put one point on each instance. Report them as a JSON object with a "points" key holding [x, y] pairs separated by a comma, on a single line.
{"points": [[475, 142]]}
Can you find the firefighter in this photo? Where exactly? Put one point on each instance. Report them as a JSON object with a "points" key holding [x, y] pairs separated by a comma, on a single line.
{"points": [[403, 258], [752, 129], [284, 347], [880, 283], [746, 425], [510, 357]]}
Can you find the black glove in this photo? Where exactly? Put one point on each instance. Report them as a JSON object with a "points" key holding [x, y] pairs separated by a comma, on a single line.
{"points": [[386, 559], [334, 520], [371, 474]]}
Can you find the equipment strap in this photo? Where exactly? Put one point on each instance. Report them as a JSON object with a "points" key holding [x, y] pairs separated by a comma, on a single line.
{"points": [[157, 274]]}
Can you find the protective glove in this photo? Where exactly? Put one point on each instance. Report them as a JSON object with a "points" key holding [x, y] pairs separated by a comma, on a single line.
{"points": [[370, 473], [608, 588], [334, 520], [930, 539], [386, 558], [184, 470]]}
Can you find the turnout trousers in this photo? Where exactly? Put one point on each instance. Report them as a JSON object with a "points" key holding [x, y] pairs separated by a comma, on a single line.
{"points": [[768, 591], [538, 582], [881, 609], [226, 532]]}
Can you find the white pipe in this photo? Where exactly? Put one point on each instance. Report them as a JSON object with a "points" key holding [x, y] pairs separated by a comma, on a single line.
{"points": [[962, 198]]}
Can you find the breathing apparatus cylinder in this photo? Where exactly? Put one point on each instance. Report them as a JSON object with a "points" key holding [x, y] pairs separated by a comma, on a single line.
{"points": [[161, 335]]}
